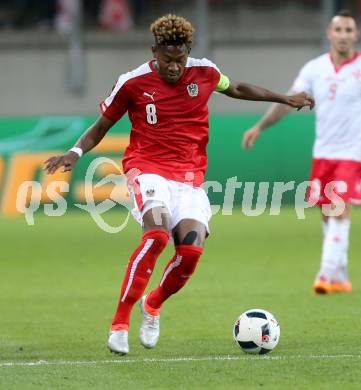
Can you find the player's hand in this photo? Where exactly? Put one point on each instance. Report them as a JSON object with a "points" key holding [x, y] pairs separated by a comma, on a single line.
{"points": [[300, 100], [250, 137], [67, 161]]}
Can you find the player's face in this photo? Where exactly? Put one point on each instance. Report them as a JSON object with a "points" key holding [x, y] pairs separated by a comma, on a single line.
{"points": [[342, 33], [171, 61]]}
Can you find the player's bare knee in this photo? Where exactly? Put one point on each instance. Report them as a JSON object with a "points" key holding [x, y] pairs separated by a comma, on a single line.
{"points": [[190, 238]]}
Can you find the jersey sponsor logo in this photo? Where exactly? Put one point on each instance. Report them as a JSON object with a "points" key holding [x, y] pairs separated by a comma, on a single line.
{"points": [[192, 90], [150, 95]]}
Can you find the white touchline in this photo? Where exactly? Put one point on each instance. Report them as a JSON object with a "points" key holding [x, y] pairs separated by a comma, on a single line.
{"points": [[173, 360]]}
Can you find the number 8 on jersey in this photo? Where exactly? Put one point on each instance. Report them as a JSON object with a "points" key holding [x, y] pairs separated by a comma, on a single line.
{"points": [[151, 113]]}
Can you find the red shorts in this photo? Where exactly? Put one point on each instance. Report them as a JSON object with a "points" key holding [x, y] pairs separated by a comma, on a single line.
{"points": [[334, 179]]}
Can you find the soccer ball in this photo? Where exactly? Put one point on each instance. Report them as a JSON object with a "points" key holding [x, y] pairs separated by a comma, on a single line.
{"points": [[256, 331]]}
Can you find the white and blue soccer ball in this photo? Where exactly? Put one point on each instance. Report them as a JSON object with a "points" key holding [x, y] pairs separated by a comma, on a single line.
{"points": [[256, 331]]}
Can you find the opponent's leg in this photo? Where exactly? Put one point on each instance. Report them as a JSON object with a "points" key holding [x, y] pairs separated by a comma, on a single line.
{"points": [[341, 282], [333, 275]]}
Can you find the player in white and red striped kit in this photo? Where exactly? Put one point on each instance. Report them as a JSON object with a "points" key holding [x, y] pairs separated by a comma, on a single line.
{"points": [[334, 80], [165, 162]]}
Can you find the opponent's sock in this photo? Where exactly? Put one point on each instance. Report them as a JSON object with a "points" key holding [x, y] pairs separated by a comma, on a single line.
{"points": [[342, 275], [176, 274], [324, 231], [139, 270], [324, 228], [335, 245]]}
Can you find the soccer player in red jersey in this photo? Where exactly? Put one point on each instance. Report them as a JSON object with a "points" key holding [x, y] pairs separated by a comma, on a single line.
{"points": [[334, 79], [165, 163]]}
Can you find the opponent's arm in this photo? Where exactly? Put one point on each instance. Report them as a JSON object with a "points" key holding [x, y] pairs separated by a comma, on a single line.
{"points": [[94, 134]]}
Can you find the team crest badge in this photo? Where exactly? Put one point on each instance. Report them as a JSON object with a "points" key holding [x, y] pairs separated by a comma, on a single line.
{"points": [[192, 90]]}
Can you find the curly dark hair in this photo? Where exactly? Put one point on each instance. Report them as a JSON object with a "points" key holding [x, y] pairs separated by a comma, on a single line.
{"points": [[172, 30], [345, 13]]}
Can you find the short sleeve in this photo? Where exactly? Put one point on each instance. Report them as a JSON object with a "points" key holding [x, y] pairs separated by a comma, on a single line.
{"points": [[304, 80], [211, 71], [117, 103], [214, 72]]}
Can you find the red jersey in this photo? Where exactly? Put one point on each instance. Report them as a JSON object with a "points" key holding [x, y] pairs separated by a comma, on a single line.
{"points": [[170, 128]]}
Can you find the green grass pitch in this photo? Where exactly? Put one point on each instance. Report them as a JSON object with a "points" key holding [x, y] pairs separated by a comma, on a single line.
{"points": [[60, 280]]}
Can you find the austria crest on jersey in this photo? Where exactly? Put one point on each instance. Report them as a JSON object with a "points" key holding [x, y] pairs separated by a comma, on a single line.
{"points": [[192, 90]]}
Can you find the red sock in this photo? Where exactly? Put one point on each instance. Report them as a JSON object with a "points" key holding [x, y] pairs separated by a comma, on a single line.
{"points": [[175, 276], [140, 268]]}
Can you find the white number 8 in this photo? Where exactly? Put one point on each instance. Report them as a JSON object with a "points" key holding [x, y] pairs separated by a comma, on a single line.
{"points": [[151, 114]]}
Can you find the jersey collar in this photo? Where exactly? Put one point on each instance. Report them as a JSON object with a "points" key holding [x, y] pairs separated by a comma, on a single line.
{"points": [[349, 61]]}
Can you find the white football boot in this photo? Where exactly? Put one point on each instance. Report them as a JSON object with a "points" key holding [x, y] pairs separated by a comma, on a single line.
{"points": [[149, 330], [118, 341]]}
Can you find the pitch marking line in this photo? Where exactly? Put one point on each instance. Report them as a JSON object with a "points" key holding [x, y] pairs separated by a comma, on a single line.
{"points": [[121, 361]]}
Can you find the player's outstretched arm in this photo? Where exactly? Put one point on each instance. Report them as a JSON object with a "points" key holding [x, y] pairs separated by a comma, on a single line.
{"points": [[238, 90], [94, 134], [283, 105]]}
